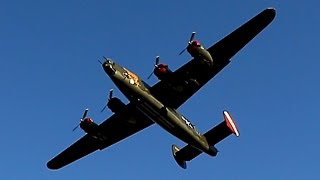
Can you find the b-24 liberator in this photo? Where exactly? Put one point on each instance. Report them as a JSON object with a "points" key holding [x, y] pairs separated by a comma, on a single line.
{"points": [[158, 104]]}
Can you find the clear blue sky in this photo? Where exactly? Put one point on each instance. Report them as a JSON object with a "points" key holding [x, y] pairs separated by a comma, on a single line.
{"points": [[50, 73]]}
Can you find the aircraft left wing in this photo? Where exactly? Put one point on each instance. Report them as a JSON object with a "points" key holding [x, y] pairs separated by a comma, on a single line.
{"points": [[189, 78], [114, 129]]}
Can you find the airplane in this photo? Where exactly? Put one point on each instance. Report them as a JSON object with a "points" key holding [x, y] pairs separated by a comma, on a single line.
{"points": [[158, 104]]}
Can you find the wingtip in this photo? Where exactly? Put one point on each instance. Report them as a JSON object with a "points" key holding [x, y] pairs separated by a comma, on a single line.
{"points": [[268, 14], [51, 166], [271, 10]]}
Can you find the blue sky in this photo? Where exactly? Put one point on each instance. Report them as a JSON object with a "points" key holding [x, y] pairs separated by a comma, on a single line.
{"points": [[50, 73]]}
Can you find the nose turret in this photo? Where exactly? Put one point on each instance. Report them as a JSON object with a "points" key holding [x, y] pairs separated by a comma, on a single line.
{"points": [[108, 67]]}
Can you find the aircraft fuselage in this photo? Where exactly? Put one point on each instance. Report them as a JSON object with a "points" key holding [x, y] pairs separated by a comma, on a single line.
{"points": [[169, 119]]}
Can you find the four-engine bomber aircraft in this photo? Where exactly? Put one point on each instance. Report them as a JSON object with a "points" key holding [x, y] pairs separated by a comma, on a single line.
{"points": [[158, 104]]}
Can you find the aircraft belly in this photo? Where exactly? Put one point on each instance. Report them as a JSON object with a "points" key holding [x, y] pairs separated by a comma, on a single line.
{"points": [[170, 121], [153, 109]]}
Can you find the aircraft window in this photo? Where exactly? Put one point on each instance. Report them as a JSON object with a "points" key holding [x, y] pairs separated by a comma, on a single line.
{"points": [[125, 73]]}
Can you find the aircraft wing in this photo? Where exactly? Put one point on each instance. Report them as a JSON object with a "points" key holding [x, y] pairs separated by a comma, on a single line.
{"points": [[175, 91], [114, 129]]}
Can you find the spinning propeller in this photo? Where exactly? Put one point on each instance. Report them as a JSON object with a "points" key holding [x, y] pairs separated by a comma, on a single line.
{"points": [[190, 40], [110, 97], [155, 65], [81, 119]]}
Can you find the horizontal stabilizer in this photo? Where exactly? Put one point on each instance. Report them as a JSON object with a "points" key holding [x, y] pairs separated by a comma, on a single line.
{"points": [[213, 136]]}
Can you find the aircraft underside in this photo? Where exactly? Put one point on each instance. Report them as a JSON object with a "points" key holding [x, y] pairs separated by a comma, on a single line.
{"points": [[158, 103]]}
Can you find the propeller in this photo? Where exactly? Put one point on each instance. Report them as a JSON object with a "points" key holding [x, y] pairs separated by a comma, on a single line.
{"points": [[190, 40], [81, 119], [110, 97], [155, 65]]}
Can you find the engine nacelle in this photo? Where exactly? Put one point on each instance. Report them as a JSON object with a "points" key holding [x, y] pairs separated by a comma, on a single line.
{"points": [[92, 128], [197, 51], [88, 125], [116, 105], [162, 71]]}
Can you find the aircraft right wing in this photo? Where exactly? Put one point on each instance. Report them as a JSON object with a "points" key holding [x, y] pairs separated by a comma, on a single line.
{"points": [[114, 129]]}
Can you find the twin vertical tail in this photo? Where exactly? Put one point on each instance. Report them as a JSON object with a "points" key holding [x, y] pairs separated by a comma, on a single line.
{"points": [[231, 124], [213, 136]]}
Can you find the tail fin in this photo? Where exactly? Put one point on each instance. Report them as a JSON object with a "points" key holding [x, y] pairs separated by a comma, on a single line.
{"points": [[222, 130], [181, 162], [231, 123]]}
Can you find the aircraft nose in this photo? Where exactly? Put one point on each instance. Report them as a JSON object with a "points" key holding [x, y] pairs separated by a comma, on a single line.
{"points": [[108, 67]]}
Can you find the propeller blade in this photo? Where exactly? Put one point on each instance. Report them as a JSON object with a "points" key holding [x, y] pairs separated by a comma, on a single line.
{"points": [[75, 127], [150, 75], [81, 119], [85, 114], [110, 97], [110, 94], [104, 108], [157, 61], [190, 40], [192, 37], [182, 51], [155, 65]]}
